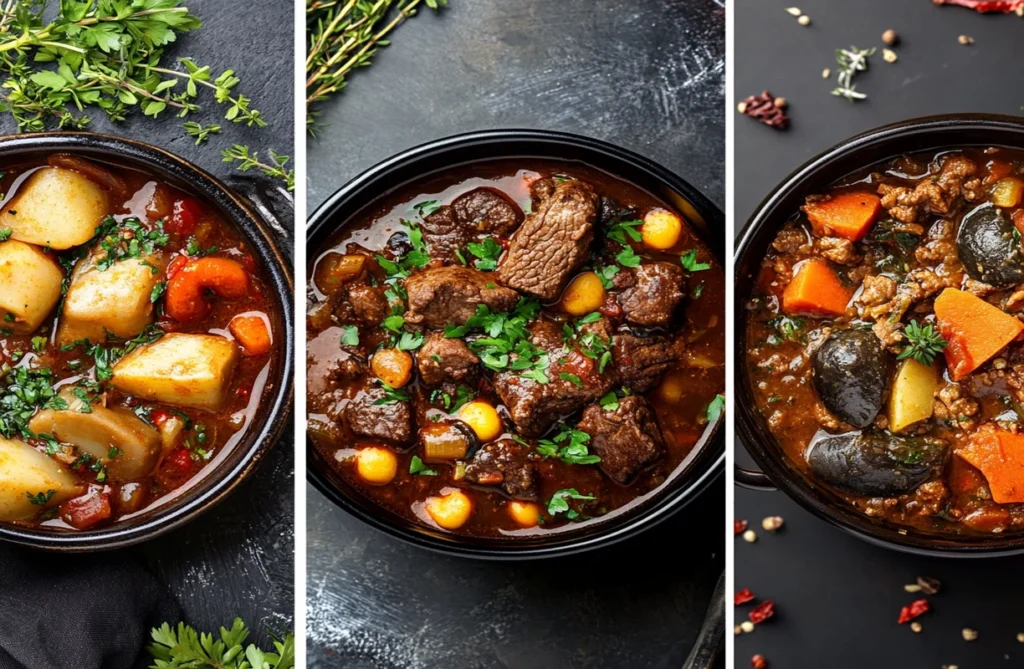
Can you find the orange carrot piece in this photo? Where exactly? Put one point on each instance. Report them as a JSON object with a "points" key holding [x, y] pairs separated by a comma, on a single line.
{"points": [[252, 333], [816, 290], [1000, 457], [847, 215], [974, 329]]}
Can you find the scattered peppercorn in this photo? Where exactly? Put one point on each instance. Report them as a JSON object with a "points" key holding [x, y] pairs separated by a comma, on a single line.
{"points": [[929, 586], [965, 40], [750, 536], [916, 627], [758, 662], [747, 626], [804, 20], [763, 108], [890, 38]]}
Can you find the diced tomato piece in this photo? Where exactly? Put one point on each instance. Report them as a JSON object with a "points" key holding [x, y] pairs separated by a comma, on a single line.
{"points": [[159, 417], [88, 510], [185, 217], [179, 462], [176, 264]]}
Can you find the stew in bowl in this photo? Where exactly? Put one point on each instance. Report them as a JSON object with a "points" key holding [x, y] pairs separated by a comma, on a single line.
{"points": [[513, 348]]}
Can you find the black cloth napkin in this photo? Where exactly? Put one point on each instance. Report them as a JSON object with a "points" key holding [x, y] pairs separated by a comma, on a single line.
{"points": [[78, 611]]}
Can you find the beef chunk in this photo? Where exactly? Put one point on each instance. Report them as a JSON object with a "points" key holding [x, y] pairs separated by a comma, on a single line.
{"points": [[487, 210], [650, 293], [442, 359], [542, 189], [627, 439], [611, 212], [361, 303], [449, 296], [387, 422], [552, 243], [641, 361], [506, 463], [533, 406], [444, 234]]}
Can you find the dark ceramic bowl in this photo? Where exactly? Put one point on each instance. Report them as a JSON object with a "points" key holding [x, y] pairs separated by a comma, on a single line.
{"points": [[918, 135], [265, 234], [414, 164]]}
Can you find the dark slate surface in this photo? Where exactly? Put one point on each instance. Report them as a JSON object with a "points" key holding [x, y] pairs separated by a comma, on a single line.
{"points": [[838, 598], [238, 559], [647, 75]]}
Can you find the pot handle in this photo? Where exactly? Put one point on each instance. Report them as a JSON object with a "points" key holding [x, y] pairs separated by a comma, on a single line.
{"points": [[708, 652], [753, 479], [274, 204]]}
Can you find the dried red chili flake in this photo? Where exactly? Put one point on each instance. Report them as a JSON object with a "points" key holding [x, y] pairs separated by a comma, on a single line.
{"points": [[743, 596], [758, 662], [739, 526], [762, 612], [986, 6], [913, 610]]}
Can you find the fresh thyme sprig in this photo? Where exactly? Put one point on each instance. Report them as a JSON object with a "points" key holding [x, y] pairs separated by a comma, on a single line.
{"points": [[250, 160], [851, 61], [344, 35], [924, 343], [106, 55]]}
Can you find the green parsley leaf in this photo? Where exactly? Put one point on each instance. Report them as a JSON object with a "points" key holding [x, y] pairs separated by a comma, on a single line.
{"points": [[391, 395], [560, 502], [5, 234], [571, 378], [350, 335], [619, 231], [690, 264], [416, 466], [487, 253], [410, 341], [627, 257], [715, 408], [609, 402], [427, 207]]}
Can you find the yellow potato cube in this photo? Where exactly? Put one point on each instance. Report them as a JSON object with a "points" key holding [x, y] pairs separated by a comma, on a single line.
{"points": [[661, 229], [376, 465], [526, 514], [55, 207], [115, 300], [185, 369], [451, 510], [911, 398], [584, 294], [27, 478], [29, 286], [128, 447]]}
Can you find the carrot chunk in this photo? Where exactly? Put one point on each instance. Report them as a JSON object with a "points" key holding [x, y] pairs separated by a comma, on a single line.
{"points": [[816, 290], [1000, 457], [847, 215], [974, 329], [252, 333]]}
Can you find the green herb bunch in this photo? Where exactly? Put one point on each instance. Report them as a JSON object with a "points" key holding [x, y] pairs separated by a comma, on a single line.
{"points": [[184, 648], [923, 343], [344, 35]]}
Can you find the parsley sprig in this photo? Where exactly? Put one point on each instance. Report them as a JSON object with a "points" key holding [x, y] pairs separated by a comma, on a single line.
{"points": [[569, 446], [923, 343], [130, 238], [560, 503], [22, 392], [182, 647]]}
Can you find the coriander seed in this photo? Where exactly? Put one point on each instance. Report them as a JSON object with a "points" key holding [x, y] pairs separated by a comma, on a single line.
{"points": [[890, 37], [750, 536], [969, 634]]}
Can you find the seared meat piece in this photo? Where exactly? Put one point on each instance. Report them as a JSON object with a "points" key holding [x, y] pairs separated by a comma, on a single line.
{"points": [[387, 422], [627, 439], [533, 406], [650, 293], [449, 295], [486, 210], [442, 359], [552, 243], [444, 234], [937, 194], [361, 303], [611, 212], [506, 463], [641, 361], [542, 189]]}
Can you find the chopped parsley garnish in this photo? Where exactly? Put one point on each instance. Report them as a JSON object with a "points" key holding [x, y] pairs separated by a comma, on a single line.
{"points": [[571, 378], [790, 329], [569, 446], [22, 392], [560, 503], [606, 274], [416, 466], [924, 343], [690, 264], [410, 341], [40, 498], [158, 290], [427, 207], [619, 231], [609, 402], [350, 335], [391, 395], [5, 234], [487, 254], [715, 408], [130, 238], [193, 250], [627, 257], [463, 395]]}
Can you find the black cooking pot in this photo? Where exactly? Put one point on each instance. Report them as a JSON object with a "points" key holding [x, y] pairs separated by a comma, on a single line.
{"points": [[270, 241], [914, 136], [415, 164]]}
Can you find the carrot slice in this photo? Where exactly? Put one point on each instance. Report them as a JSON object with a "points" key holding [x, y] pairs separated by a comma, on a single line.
{"points": [[816, 290], [847, 215], [252, 333], [974, 329], [1000, 457]]}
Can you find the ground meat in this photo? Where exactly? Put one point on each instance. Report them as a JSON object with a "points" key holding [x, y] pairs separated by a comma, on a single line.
{"points": [[450, 295], [792, 240], [837, 250], [877, 291], [924, 283], [627, 439], [929, 499], [386, 422], [978, 288], [650, 294], [442, 359], [1016, 299], [890, 333], [827, 420], [939, 245], [937, 194], [954, 406], [508, 464]]}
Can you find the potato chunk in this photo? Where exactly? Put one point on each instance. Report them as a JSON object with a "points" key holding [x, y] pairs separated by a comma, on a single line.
{"points": [[184, 369], [55, 207], [29, 286], [119, 439], [115, 300], [26, 479]]}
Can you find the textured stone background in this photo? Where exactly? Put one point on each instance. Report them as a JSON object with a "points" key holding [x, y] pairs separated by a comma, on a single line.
{"points": [[648, 75]]}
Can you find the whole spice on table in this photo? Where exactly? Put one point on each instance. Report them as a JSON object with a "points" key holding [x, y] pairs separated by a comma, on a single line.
{"points": [[986, 6], [772, 523], [969, 634], [750, 536], [762, 612], [758, 662], [764, 109], [739, 526], [851, 61], [890, 38], [913, 610], [743, 596], [928, 585], [916, 627]]}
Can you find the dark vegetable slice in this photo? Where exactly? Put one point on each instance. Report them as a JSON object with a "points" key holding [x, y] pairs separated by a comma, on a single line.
{"points": [[989, 248], [850, 373], [875, 463]]}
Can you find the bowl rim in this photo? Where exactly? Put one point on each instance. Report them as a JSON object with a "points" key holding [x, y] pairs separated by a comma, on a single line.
{"points": [[711, 459], [237, 210], [749, 422]]}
